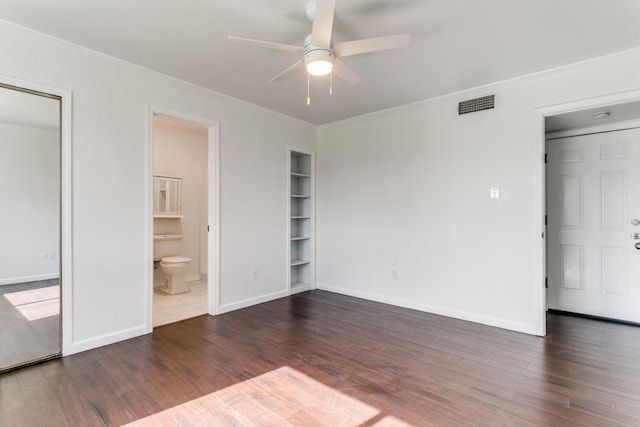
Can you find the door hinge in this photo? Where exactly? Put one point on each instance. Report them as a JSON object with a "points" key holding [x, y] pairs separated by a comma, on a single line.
{"points": [[546, 283], [545, 158], [545, 220], [543, 234], [207, 228]]}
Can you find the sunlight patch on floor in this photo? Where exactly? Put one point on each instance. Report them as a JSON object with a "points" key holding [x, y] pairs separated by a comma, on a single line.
{"points": [[281, 397], [36, 304]]}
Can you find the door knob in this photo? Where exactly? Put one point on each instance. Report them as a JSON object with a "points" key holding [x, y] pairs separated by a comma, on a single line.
{"points": [[635, 236], [638, 245], [635, 221]]}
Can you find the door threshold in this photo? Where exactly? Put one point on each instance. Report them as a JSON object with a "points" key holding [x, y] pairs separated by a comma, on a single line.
{"points": [[30, 363], [592, 317]]}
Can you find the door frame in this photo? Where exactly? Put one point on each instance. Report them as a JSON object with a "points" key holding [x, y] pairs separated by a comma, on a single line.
{"points": [[540, 178], [66, 206], [213, 205]]}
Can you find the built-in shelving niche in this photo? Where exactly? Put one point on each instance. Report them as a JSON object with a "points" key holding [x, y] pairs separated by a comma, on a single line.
{"points": [[301, 221]]}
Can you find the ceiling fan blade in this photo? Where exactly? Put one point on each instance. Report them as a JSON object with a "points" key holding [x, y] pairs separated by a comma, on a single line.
{"points": [[344, 72], [270, 45], [357, 47], [285, 72], [323, 22]]}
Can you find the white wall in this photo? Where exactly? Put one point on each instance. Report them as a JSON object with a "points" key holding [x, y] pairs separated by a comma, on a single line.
{"points": [[30, 203], [181, 152], [110, 185], [405, 190], [408, 190]]}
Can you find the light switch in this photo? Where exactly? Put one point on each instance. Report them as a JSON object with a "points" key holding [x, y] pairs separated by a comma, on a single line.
{"points": [[494, 193]]}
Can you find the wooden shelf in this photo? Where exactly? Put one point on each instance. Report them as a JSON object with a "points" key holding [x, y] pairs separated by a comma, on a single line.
{"points": [[301, 196], [300, 238], [300, 217], [295, 262]]}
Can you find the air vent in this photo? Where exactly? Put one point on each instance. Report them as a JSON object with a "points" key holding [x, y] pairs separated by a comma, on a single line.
{"points": [[478, 104]]}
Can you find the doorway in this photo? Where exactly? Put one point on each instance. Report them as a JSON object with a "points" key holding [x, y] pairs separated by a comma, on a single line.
{"points": [[33, 165], [593, 211], [183, 156]]}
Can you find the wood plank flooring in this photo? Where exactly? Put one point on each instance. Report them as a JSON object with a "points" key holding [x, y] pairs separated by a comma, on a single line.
{"points": [[321, 359]]}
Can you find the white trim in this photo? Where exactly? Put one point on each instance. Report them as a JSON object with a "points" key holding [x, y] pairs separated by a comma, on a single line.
{"points": [[106, 339], [237, 305], [66, 196], [540, 176], [539, 229], [589, 130], [195, 277], [213, 211], [441, 311], [585, 104], [26, 279]]}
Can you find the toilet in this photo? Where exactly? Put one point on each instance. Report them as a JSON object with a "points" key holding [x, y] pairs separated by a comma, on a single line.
{"points": [[166, 250]]}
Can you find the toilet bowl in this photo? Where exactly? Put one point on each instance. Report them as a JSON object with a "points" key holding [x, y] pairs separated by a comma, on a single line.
{"points": [[175, 269]]}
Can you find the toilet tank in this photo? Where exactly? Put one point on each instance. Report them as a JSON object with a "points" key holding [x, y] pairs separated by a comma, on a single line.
{"points": [[165, 245]]}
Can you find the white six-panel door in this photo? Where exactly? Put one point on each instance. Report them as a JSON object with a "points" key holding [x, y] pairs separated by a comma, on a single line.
{"points": [[593, 197]]}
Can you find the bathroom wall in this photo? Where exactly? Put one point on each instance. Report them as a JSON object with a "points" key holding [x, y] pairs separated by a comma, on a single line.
{"points": [[180, 150]]}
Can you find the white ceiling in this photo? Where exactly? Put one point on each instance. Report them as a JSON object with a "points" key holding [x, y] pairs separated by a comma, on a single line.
{"points": [[456, 44]]}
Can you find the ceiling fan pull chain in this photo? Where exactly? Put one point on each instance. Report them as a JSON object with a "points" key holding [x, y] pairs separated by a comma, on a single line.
{"points": [[331, 83], [308, 96]]}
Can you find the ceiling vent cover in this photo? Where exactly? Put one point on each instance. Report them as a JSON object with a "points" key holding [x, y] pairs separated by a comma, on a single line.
{"points": [[478, 104]]}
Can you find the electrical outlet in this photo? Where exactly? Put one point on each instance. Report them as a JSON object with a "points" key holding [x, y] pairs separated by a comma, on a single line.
{"points": [[394, 274], [255, 273]]}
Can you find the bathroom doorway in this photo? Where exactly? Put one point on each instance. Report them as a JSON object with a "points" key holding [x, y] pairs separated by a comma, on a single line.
{"points": [[183, 275]]}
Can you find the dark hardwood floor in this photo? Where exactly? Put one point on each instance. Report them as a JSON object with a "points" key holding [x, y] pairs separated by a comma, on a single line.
{"points": [[324, 359]]}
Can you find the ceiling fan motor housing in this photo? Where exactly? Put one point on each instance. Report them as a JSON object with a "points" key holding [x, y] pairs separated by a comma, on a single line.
{"points": [[318, 53]]}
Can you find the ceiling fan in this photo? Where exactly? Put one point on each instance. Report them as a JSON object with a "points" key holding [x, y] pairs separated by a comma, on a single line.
{"points": [[320, 56]]}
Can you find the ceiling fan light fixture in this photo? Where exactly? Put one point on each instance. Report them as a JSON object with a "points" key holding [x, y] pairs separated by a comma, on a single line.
{"points": [[319, 62], [319, 67]]}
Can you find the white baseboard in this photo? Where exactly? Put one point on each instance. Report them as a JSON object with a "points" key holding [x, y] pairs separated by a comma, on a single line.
{"points": [[102, 340], [25, 279], [192, 277], [441, 311], [253, 301]]}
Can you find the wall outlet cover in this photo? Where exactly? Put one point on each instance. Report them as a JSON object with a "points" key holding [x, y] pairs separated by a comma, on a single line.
{"points": [[494, 193]]}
